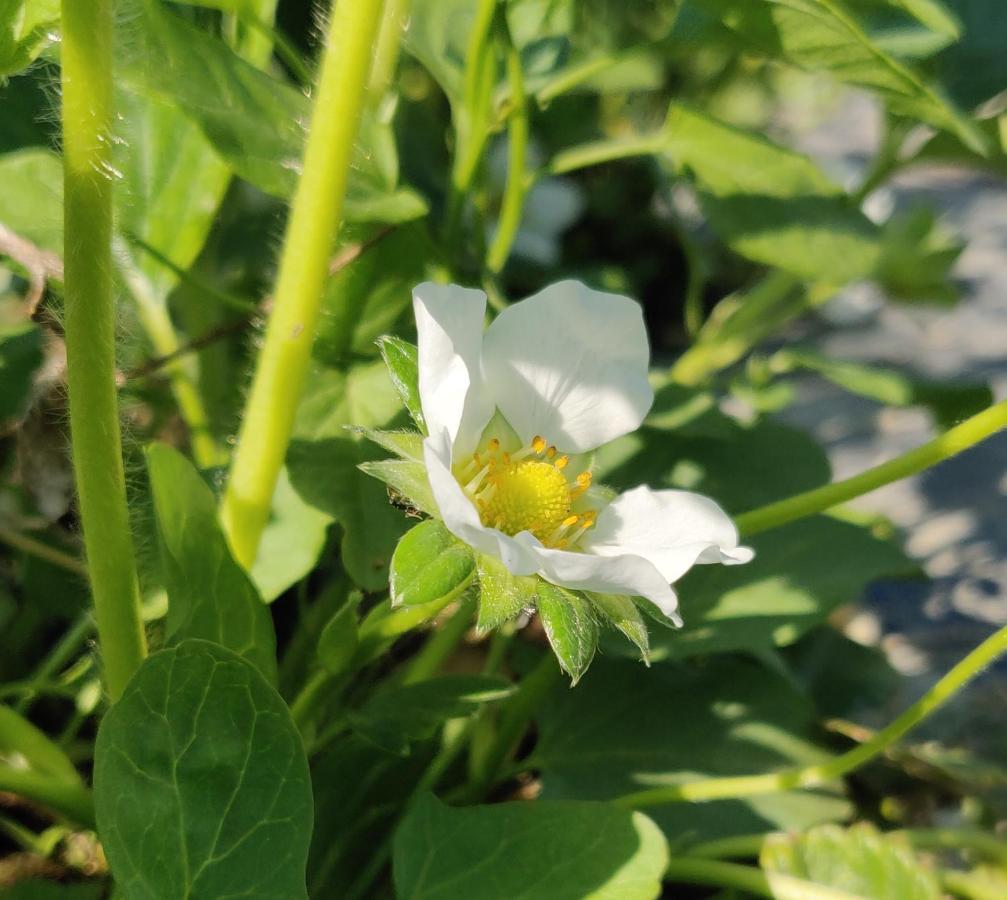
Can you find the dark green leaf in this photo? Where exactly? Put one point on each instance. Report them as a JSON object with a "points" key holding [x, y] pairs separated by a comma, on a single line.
{"points": [[37, 889], [338, 641], [502, 596], [20, 356], [401, 358], [571, 627], [201, 783], [397, 717], [622, 613], [536, 851], [860, 861], [626, 727], [974, 68], [209, 595], [429, 564]]}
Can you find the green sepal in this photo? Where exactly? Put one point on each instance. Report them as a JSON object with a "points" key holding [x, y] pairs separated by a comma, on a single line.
{"points": [[407, 482], [502, 596], [404, 444], [430, 564], [401, 358], [621, 613], [570, 625], [650, 609]]}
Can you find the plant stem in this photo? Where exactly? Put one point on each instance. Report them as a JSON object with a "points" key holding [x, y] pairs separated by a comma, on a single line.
{"points": [[750, 880], [35, 547], [517, 153], [573, 76], [823, 773], [440, 644], [19, 735], [386, 51], [954, 441], [597, 152], [90, 335], [70, 799], [315, 217]]}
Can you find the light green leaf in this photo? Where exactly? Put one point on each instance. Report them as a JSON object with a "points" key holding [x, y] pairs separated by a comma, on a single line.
{"points": [[405, 444], [291, 543], [209, 595], [201, 783], [27, 27], [626, 727], [396, 718], [408, 481], [535, 851], [31, 204], [571, 627], [429, 564], [859, 860], [502, 596], [917, 258], [623, 614], [401, 359], [20, 356]]}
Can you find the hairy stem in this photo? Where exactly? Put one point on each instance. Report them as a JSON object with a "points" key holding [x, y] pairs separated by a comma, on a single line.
{"points": [[90, 335], [315, 217], [823, 773], [952, 442]]}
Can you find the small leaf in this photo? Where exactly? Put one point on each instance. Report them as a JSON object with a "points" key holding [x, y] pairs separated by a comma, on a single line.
{"points": [[201, 783], [622, 613], [401, 358], [429, 565], [502, 596], [394, 719], [209, 595], [536, 851], [860, 861], [407, 479], [570, 626], [404, 444], [338, 641]]}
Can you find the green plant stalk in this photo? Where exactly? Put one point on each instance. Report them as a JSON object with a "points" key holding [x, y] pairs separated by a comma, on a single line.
{"points": [[386, 51], [315, 217], [823, 773], [440, 644], [967, 434], [574, 76], [595, 153], [714, 873], [86, 53], [18, 735], [517, 154], [33, 547], [68, 798]]}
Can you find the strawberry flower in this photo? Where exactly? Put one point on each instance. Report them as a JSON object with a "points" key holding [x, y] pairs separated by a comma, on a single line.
{"points": [[513, 414]]}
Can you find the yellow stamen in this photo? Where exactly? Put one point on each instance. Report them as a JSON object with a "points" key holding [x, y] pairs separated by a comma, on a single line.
{"points": [[538, 443], [562, 462]]}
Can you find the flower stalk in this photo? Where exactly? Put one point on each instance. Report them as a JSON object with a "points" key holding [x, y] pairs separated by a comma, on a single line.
{"points": [[90, 336], [315, 218]]}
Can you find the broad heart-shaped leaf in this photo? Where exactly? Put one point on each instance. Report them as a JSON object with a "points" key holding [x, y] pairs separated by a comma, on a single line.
{"points": [[401, 358], [771, 204], [27, 27], [570, 625], [860, 861], [209, 595], [502, 596], [825, 35], [800, 574], [396, 718], [201, 782], [626, 728], [428, 565], [323, 461], [535, 851]]}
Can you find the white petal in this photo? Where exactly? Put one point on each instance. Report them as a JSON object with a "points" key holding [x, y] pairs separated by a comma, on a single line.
{"points": [[449, 327], [461, 518], [571, 365], [609, 575], [672, 529]]}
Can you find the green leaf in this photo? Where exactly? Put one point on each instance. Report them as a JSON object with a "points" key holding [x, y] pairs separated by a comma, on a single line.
{"points": [[338, 641], [396, 718], [974, 69], [20, 357], [201, 783], [408, 482], [291, 543], [502, 596], [26, 29], [917, 258], [37, 889], [769, 203], [401, 359], [407, 445], [209, 595], [571, 627], [536, 851], [31, 204], [860, 861], [627, 726], [623, 614], [801, 573], [429, 565]]}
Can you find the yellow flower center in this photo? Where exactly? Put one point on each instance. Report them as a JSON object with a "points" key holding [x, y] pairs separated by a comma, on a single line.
{"points": [[527, 490]]}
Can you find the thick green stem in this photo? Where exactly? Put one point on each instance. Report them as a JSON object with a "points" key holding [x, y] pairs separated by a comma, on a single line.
{"points": [[315, 217], [70, 799], [823, 773], [90, 335], [954, 441], [517, 153]]}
